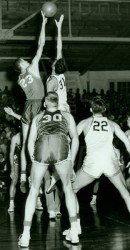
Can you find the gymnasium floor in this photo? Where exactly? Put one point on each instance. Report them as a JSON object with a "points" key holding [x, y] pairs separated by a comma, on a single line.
{"points": [[105, 226]]}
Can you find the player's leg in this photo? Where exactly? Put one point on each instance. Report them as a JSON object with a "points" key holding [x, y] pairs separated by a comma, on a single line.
{"points": [[25, 130], [54, 178], [119, 182], [37, 174], [64, 171], [12, 191], [94, 195], [50, 202], [58, 195], [82, 179]]}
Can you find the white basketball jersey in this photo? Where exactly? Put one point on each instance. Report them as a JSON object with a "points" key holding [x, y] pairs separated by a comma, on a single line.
{"points": [[61, 90], [99, 137]]}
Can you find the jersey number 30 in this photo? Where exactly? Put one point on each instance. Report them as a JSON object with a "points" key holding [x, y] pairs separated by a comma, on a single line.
{"points": [[49, 118]]}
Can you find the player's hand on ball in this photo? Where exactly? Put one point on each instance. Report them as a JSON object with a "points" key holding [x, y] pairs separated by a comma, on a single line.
{"points": [[44, 17]]}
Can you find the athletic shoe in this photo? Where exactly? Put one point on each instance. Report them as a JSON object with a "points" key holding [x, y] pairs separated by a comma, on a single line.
{"points": [[93, 201], [52, 215], [23, 187], [11, 207], [24, 239], [52, 185], [39, 205], [72, 236], [67, 231]]}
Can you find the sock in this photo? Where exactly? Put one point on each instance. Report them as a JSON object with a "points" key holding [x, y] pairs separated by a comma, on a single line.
{"points": [[23, 176]]}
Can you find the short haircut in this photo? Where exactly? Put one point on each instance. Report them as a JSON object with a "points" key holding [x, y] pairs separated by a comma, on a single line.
{"points": [[98, 105], [52, 97], [60, 66], [17, 65]]}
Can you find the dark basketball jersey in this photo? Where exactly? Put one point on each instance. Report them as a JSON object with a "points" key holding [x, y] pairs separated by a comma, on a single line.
{"points": [[31, 85], [52, 123], [52, 144]]}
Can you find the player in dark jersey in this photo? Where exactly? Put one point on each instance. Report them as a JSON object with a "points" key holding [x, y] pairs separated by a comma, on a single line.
{"points": [[48, 145], [31, 83]]}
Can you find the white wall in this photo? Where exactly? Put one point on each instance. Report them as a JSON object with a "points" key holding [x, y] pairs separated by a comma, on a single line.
{"points": [[97, 79], [101, 79]]}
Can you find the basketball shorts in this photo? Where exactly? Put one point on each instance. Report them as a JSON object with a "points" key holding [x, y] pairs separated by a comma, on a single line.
{"points": [[31, 109], [99, 164], [51, 149]]}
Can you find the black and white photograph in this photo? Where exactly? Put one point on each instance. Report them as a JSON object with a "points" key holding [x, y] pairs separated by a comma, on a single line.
{"points": [[65, 124]]}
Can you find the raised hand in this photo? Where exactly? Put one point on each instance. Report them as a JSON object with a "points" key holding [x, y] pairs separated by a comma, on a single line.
{"points": [[44, 17], [59, 23]]}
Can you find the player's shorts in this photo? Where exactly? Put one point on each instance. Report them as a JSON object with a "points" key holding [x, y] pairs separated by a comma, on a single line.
{"points": [[51, 149], [99, 164], [31, 109]]}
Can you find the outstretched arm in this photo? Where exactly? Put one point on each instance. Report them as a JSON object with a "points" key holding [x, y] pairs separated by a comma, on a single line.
{"points": [[41, 41], [80, 127], [74, 139], [59, 37], [121, 135], [10, 111]]}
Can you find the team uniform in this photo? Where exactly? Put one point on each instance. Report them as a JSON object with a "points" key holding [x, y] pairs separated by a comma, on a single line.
{"points": [[51, 146], [101, 157], [34, 92], [61, 91]]}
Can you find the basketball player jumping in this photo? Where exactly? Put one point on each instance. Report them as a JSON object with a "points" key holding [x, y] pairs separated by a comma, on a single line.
{"points": [[31, 83], [56, 81]]}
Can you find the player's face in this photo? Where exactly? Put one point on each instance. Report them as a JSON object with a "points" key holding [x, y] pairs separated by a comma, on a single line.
{"points": [[24, 64]]}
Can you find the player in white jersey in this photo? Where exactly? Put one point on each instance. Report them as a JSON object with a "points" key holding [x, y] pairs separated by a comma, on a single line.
{"points": [[101, 157], [56, 81]]}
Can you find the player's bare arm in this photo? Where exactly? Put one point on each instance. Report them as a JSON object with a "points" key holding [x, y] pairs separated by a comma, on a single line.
{"points": [[52, 84], [59, 37], [84, 126], [74, 138], [121, 135], [34, 68], [10, 111]]}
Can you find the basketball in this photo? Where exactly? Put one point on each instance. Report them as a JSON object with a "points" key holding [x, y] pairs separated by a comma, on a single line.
{"points": [[49, 8]]}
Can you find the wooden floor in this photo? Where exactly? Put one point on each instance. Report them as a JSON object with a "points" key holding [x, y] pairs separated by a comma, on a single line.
{"points": [[105, 226]]}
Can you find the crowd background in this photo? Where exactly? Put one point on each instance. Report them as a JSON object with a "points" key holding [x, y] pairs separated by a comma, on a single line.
{"points": [[118, 110]]}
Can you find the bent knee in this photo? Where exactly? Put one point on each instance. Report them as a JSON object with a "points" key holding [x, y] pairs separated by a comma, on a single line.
{"points": [[34, 191], [75, 187]]}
